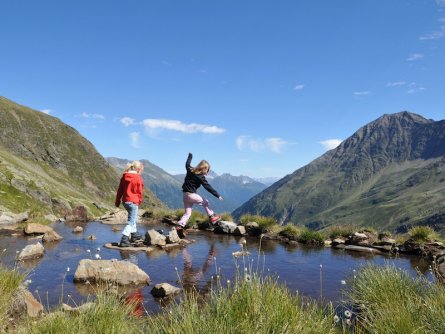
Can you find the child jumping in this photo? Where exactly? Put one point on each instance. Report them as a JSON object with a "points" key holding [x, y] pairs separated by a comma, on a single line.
{"points": [[130, 191], [195, 177]]}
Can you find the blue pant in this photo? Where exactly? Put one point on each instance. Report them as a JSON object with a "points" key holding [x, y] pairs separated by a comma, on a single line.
{"points": [[132, 210]]}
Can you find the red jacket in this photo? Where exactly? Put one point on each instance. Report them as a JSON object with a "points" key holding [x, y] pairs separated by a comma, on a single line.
{"points": [[130, 189]]}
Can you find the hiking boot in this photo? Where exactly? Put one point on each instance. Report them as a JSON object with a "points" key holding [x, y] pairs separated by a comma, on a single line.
{"points": [[214, 219], [125, 241], [135, 237], [181, 232]]}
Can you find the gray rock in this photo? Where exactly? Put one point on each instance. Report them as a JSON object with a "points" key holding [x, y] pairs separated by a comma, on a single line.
{"points": [[240, 230], [78, 229], [112, 271], [363, 249], [116, 217], [163, 290], [8, 218], [173, 236], [33, 228], [225, 227], [153, 237], [33, 251], [24, 302], [51, 236]]}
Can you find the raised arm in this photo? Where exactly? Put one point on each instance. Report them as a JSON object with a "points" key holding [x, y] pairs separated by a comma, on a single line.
{"points": [[188, 162]]}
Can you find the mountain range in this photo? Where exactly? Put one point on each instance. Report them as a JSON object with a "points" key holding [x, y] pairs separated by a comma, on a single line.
{"points": [[389, 174]]}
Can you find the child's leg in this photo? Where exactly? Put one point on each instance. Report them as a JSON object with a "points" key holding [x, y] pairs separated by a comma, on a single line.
{"points": [[188, 205], [197, 199], [132, 210]]}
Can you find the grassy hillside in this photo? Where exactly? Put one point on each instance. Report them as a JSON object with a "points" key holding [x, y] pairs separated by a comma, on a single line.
{"points": [[46, 166]]}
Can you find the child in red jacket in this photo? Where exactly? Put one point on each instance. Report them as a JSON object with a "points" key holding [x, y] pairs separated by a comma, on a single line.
{"points": [[130, 192]]}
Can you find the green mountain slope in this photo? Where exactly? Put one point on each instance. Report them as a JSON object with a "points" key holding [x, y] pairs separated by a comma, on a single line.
{"points": [[46, 166], [389, 174]]}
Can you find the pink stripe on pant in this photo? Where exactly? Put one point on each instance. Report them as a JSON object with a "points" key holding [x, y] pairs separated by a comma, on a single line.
{"points": [[189, 200]]}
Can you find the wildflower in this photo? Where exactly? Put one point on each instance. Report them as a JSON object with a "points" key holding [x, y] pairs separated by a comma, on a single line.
{"points": [[321, 266], [27, 282], [67, 269], [88, 251], [430, 268], [247, 278], [228, 282], [348, 322], [343, 282], [17, 252], [176, 268], [348, 314], [336, 318], [244, 241], [4, 250], [98, 249], [97, 256]]}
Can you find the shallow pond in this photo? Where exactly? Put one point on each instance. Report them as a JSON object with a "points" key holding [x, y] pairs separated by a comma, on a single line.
{"points": [[313, 272]]}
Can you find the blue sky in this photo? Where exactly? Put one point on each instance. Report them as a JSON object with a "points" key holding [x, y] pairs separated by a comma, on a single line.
{"points": [[258, 88]]}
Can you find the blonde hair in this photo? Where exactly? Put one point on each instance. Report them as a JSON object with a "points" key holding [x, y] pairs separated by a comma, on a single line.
{"points": [[202, 168], [133, 166]]}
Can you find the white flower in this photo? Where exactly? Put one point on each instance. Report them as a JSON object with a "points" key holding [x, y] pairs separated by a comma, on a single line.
{"points": [[343, 282], [321, 266], [336, 318], [67, 269], [228, 282], [88, 251], [97, 256], [98, 249], [244, 241], [348, 322], [348, 314]]}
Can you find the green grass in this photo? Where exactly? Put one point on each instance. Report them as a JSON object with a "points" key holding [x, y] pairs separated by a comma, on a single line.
{"points": [[342, 231], [254, 305], [291, 232], [109, 314], [423, 234], [391, 301], [10, 281], [308, 236], [263, 222]]}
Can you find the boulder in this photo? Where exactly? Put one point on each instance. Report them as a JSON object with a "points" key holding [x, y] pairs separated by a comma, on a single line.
{"points": [[362, 249], [78, 309], [33, 251], [118, 272], [33, 228], [173, 236], [163, 290], [51, 236], [440, 268], [24, 303], [240, 230], [337, 241], [225, 227], [153, 237], [115, 217], [9, 218], [78, 229], [77, 214]]}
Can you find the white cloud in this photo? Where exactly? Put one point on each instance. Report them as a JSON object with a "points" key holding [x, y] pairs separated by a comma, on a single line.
{"points": [[174, 125], [395, 83], [415, 56], [127, 121], [46, 111], [364, 93], [440, 3], [329, 144], [94, 116], [134, 137], [298, 87], [275, 145]]}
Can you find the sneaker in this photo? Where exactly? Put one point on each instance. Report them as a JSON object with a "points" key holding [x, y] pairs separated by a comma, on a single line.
{"points": [[135, 237], [125, 241], [214, 219], [181, 232]]}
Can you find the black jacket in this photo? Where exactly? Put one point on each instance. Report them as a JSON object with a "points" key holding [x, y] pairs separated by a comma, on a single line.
{"points": [[193, 181]]}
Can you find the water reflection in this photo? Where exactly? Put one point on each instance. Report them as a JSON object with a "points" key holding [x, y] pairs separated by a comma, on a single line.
{"points": [[296, 265]]}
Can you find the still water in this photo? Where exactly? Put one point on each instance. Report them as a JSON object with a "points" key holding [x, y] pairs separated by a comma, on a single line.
{"points": [[313, 272]]}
